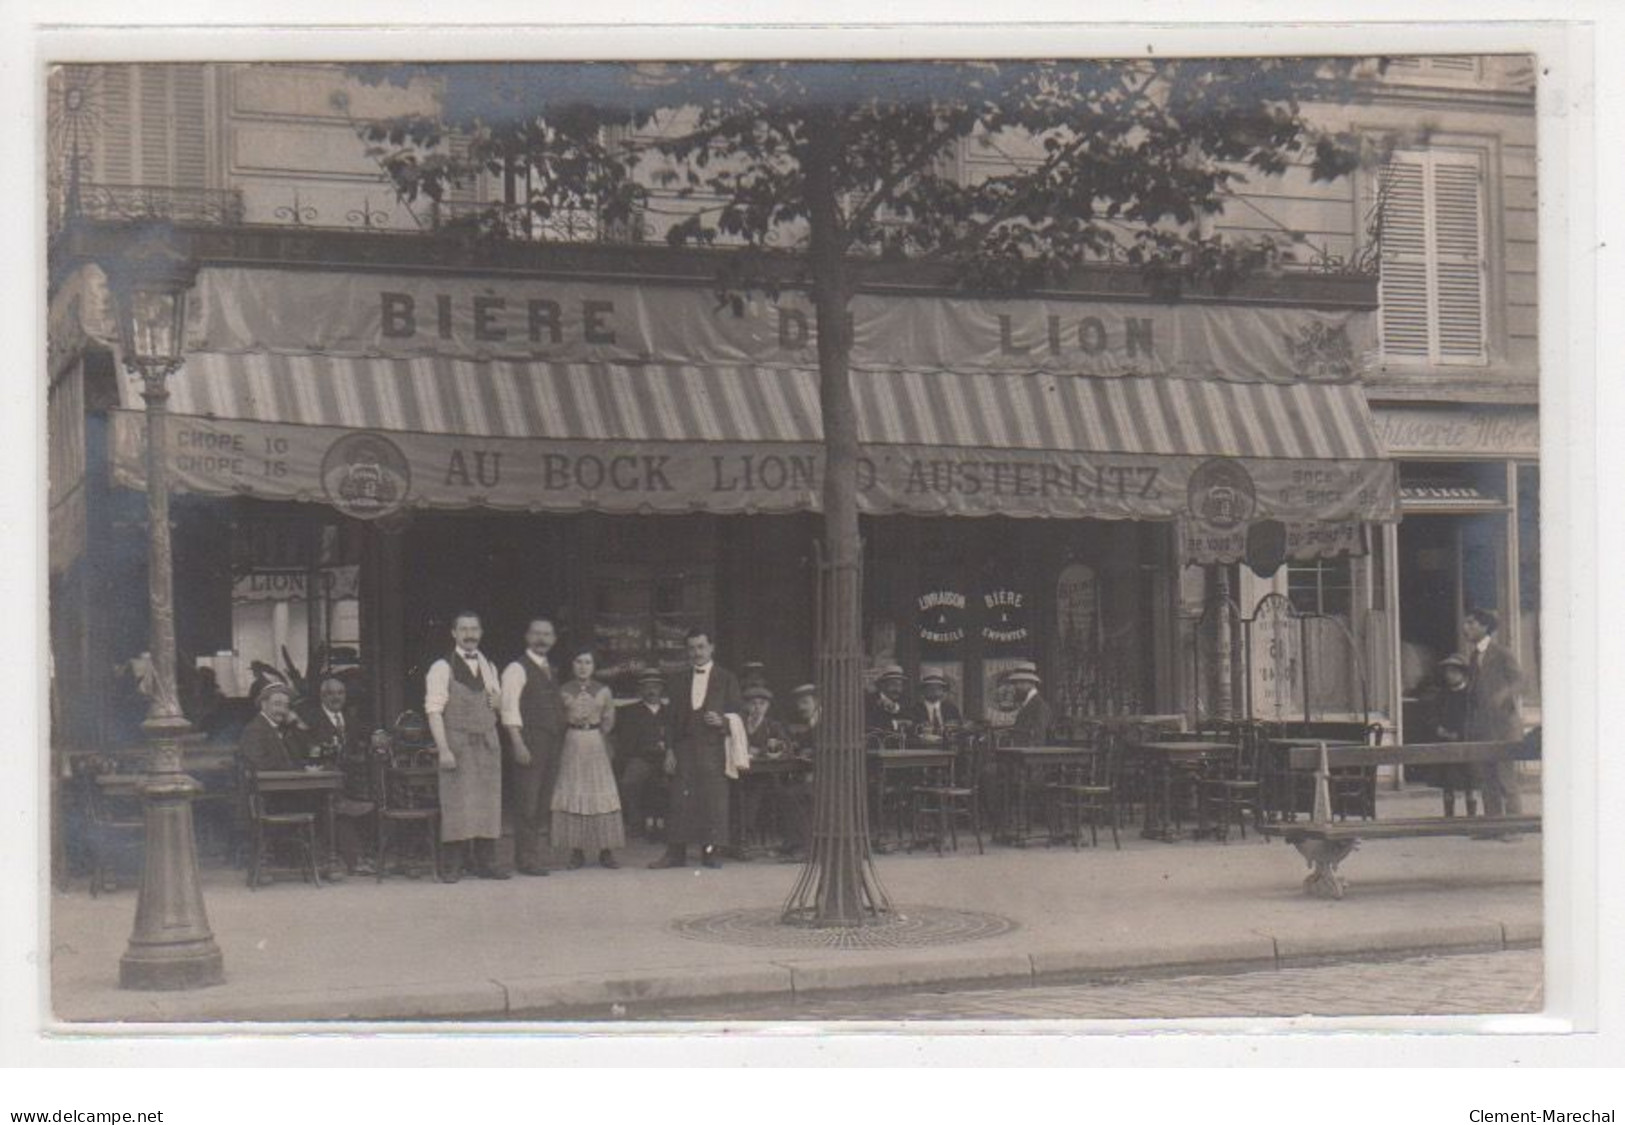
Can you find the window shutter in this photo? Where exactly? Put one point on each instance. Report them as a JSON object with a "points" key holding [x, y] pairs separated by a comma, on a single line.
{"points": [[1433, 259], [155, 125], [117, 151], [1459, 260], [1406, 321]]}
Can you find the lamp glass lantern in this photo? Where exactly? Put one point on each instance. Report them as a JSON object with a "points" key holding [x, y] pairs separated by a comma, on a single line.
{"points": [[149, 288]]}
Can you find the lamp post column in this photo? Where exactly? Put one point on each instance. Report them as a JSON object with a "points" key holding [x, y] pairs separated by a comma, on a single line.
{"points": [[171, 946]]}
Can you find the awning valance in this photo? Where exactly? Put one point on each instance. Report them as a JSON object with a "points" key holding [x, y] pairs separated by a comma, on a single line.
{"points": [[438, 432]]}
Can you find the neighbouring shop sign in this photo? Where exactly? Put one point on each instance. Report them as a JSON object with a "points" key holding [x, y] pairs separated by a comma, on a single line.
{"points": [[1480, 431], [403, 316], [372, 475]]}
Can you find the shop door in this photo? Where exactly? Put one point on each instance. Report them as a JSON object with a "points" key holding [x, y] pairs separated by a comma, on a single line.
{"points": [[1448, 564]]}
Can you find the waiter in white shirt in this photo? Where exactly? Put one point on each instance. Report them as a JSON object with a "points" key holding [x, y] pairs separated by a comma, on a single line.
{"points": [[533, 716], [702, 698], [461, 696]]}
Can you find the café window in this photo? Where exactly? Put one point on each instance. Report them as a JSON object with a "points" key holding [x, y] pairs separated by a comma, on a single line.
{"points": [[295, 601], [1321, 586]]}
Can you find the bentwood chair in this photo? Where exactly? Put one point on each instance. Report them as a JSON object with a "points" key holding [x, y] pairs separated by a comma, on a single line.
{"points": [[273, 831], [943, 803], [1231, 792], [407, 803], [1089, 791]]}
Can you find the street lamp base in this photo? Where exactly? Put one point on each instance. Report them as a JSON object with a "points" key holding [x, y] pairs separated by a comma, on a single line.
{"points": [[171, 968], [171, 946]]}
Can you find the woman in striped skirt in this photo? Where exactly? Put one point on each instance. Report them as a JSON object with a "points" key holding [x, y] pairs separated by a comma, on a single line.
{"points": [[586, 804]]}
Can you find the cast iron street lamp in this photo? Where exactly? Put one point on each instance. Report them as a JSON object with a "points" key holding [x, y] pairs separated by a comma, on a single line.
{"points": [[171, 946]]}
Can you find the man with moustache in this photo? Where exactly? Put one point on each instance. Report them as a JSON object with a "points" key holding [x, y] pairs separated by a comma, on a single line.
{"points": [[462, 694], [533, 715]]}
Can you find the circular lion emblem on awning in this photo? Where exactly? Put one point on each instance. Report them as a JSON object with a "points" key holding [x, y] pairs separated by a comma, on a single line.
{"points": [[1221, 494], [366, 475]]}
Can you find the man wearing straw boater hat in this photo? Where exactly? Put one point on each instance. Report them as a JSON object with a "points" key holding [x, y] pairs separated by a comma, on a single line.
{"points": [[1033, 716], [933, 714], [886, 711]]}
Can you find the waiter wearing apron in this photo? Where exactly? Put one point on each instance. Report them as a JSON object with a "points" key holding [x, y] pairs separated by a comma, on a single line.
{"points": [[461, 700]]}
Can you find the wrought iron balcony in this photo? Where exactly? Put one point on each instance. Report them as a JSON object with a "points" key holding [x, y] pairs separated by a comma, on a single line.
{"points": [[144, 203]]}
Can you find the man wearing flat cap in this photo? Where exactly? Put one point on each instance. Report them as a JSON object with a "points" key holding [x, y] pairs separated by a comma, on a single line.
{"points": [[933, 714], [886, 711], [268, 742]]}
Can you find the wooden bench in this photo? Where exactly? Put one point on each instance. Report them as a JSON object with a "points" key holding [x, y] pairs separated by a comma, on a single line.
{"points": [[1325, 844]]}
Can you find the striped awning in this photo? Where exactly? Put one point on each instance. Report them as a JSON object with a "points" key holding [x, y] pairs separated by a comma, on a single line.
{"points": [[370, 436], [744, 404]]}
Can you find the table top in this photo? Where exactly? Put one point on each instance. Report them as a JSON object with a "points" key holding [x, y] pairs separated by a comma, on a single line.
{"points": [[1047, 751], [1294, 743], [1187, 747], [299, 779], [911, 756], [786, 764]]}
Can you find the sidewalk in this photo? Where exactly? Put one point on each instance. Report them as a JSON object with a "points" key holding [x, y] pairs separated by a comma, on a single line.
{"points": [[582, 942]]}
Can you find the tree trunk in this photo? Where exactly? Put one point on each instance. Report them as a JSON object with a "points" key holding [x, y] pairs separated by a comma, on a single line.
{"points": [[838, 885]]}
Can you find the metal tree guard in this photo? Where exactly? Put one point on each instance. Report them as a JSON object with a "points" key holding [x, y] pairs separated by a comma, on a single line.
{"points": [[838, 885]]}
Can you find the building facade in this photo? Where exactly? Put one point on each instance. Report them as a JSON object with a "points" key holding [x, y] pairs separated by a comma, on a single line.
{"points": [[382, 421]]}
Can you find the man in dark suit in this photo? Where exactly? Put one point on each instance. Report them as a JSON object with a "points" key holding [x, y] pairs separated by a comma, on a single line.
{"points": [[701, 701], [333, 726], [269, 740], [642, 738], [1033, 716], [1494, 711], [934, 713], [885, 711]]}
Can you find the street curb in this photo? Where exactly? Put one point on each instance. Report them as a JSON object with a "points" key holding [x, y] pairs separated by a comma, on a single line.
{"points": [[1477, 936], [828, 977], [536, 994], [1119, 959], [599, 997]]}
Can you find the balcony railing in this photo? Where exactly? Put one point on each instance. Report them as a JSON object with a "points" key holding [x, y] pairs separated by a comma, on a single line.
{"points": [[143, 203]]}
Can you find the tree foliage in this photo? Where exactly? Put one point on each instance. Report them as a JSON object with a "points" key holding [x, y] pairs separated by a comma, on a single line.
{"points": [[1119, 160]]}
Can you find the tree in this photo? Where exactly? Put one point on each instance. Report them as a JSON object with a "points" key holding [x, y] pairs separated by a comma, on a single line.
{"points": [[826, 164]]}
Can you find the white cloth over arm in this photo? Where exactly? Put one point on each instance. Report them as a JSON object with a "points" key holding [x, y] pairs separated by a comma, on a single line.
{"points": [[738, 747]]}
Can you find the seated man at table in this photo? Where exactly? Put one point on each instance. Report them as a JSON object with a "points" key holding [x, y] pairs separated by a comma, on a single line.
{"points": [[274, 739], [642, 738], [934, 714], [767, 739], [269, 740], [886, 712], [802, 732], [1033, 715], [334, 727]]}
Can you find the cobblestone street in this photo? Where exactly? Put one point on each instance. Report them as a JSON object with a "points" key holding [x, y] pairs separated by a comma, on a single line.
{"points": [[1463, 984]]}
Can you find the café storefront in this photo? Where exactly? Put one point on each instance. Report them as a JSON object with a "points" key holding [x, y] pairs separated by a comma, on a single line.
{"points": [[358, 454]]}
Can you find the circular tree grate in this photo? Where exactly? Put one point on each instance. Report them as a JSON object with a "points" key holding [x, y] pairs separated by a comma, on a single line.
{"points": [[909, 927]]}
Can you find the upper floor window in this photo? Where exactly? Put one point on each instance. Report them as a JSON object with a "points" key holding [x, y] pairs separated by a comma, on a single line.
{"points": [[1429, 68], [1433, 258]]}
